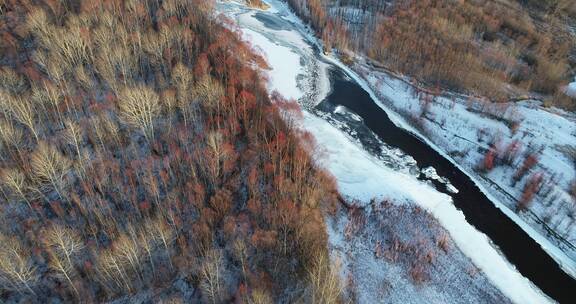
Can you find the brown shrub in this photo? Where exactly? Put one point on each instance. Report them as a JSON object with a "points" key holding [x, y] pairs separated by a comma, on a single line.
{"points": [[443, 242]]}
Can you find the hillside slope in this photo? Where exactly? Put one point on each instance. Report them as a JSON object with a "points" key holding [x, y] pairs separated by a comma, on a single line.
{"points": [[140, 156]]}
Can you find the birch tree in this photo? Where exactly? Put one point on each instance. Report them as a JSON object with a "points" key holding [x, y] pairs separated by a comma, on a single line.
{"points": [[139, 107], [49, 168], [24, 112], [17, 270], [15, 181], [63, 245], [211, 275]]}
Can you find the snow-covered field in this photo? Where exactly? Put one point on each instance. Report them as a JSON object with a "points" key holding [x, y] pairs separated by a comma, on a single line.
{"points": [[384, 249], [362, 177]]}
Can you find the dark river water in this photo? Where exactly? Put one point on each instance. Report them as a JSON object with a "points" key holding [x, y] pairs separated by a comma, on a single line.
{"points": [[518, 247]]}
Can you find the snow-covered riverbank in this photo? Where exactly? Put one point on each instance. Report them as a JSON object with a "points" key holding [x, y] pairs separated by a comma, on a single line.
{"points": [[361, 176], [491, 143]]}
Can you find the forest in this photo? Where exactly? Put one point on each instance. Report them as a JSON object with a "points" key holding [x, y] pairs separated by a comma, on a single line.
{"points": [[504, 50], [140, 153]]}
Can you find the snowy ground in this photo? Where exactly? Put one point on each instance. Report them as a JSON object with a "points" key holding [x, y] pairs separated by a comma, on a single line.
{"points": [[571, 89], [399, 253], [363, 177]]}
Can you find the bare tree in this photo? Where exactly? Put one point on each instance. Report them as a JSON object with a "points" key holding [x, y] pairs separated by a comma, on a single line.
{"points": [[325, 285], [129, 252], [260, 296], [111, 269], [211, 275], [70, 43], [111, 127], [117, 58], [10, 135], [154, 46], [182, 80], [210, 92], [100, 130], [11, 81], [15, 181], [163, 232], [74, 135], [169, 106], [62, 269], [118, 264], [215, 142], [84, 77], [50, 95], [24, 112], [148, 242], [17, 269], [37, 23], [63, 244], [49, 167], [241, 254], [139, 107]]}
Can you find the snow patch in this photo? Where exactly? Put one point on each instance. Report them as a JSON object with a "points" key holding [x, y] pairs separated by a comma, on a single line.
{"points": [[430, 173], [286, 64], [571, 89], [342, 110]]}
